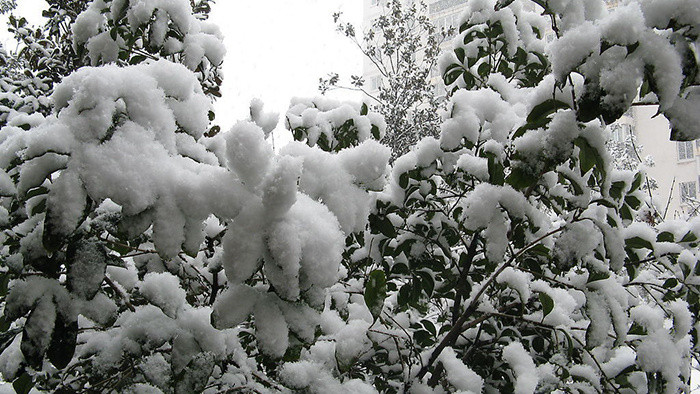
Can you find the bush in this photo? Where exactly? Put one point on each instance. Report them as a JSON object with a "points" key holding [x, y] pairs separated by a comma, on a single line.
{"points": [[144, 252]]}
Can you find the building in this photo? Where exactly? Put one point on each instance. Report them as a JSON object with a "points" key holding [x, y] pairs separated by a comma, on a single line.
{"points": [[676, 164]]}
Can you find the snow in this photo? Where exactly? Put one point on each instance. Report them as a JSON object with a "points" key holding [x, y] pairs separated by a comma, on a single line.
{"points": [[271, 328], [66, 205], [332, 178], [517, 280], [669, 362], [458, 374], [164, 291], [125, 277], [477, 114], [586, 372], [681, 318], [474, 166], [266, 120], [311, 377], [201, 41], [280, 187], [302, 320], [319, 116], [367, 163], [234, 305], [521, 363], [622, 358], [11, 359], [484, 209], [101, 309], [134, 163], [352, 341], [131, 140], [243, 243]]}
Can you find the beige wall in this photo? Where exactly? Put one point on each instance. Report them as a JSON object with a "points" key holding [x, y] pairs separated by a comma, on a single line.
{"points": [[670, 170]]}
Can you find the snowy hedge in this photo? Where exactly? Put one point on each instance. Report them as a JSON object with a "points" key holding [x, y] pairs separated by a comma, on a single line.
{"points": [[145, 251]]}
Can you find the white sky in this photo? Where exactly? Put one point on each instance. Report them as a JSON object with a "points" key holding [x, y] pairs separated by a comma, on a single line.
{"points": [[276, 49]]}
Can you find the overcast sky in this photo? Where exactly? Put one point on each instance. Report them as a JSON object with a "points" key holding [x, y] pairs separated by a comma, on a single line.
{"points": [[276, 49]]}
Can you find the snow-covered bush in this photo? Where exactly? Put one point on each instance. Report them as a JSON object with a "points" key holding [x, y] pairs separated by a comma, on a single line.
{"points": [[143, 253], [504, 257]]}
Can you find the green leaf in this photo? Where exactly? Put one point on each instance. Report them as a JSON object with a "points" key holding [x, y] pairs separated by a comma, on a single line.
{"points": [[638, 243], [587, 155], [113, 33], [427, 282], [626, 213], [496, 171], [382, 225], [39, 208], [540, 250], [596, 275], [375, 292], [136, 59], [665, 236], [636, 183], [23, 384], [403, 180], [399, 269], [547, 304], [429, 326], [4, 281], [689, 237], [364, 110], [468, 79], [63, 342], [604, 203], [538, 344], [484, 70], [4, 324], [459, 52], [423, 338], [633, 202], [616, 189], [670, 283], [451, 76], [637, 329], [375, 132], [546, 108], [520, 178]]}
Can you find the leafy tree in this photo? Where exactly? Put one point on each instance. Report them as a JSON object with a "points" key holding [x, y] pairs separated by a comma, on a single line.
{"points": [[505, 256], [626, 155], [140, 254], [7, 6], [404, 46]]}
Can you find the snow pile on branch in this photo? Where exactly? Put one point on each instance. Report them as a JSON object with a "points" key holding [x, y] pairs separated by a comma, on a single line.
{"points": [[168, 25]]}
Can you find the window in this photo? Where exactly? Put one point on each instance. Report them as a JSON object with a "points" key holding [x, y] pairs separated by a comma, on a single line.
{"points": [[688, 190], [375, 83], [685, 150], [442, 5]]}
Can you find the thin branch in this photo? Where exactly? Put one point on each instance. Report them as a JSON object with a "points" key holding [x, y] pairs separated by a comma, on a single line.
{"points": [[119, 291]]}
